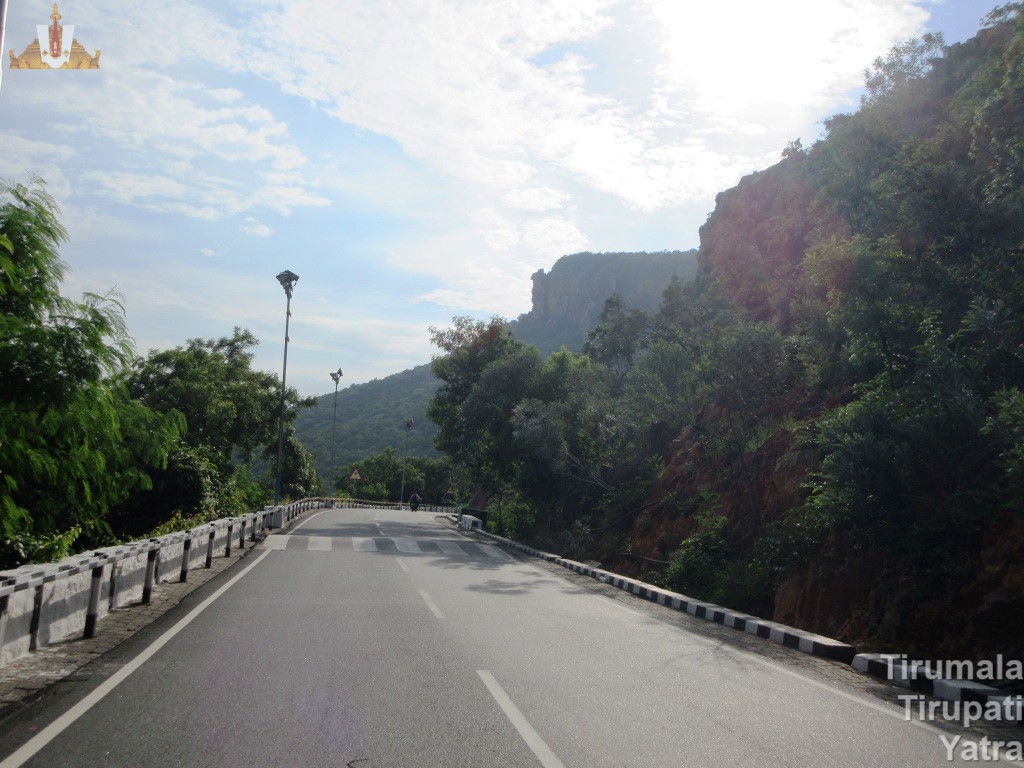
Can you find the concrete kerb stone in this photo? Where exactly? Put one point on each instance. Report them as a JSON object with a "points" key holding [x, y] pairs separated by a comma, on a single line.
{"points": [[918, 677], [909, 674], [797, 639]]}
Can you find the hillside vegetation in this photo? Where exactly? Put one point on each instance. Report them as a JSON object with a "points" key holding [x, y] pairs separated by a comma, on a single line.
{"points": [[567, 304], [826, 426]]}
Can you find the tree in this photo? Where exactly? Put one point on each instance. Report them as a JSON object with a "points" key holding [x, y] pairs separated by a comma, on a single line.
{"points": [[231, 412], [619, 336], [909, 60], [228, 406], [72, 443]]}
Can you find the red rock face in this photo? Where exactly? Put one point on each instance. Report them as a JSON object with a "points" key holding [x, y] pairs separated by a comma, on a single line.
{"points": [[863, 596]]}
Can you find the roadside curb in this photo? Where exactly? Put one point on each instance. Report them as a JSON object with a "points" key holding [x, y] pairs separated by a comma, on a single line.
{"points": [[918, 677], [905, 673], [797, 639]]}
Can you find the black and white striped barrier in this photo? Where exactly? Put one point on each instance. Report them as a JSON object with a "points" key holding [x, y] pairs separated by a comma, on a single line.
{"points": [[919, 677], [798, 639], [45, 603]]}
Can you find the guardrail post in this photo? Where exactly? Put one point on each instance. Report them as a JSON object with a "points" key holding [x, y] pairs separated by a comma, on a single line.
{"points": [[112, 597], [93, 611], [227, 544], [241, 534], [209, 548], [5, 606], [151, 568], [185, 557], [252, 536], [37, 617]]}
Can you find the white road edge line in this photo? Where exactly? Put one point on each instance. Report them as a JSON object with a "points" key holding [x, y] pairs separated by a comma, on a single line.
{"points": [[889, 710], [27, 750], [430, 604], [402, 565], [533, 740], [311, 517]]}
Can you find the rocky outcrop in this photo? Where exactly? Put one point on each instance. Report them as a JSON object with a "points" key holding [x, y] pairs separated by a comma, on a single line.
{"points": [[567, 301]]}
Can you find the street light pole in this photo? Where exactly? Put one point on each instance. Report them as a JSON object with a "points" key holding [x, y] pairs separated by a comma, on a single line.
{"points": [[336, 375], [287, 279], [401, 493], [3, 33]]}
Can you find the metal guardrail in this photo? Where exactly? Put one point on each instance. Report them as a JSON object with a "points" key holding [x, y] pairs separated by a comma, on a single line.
{"points": [[44, 603]]}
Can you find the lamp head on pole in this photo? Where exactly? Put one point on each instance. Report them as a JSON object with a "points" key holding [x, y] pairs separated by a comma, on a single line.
{"points": [[408, 424], [336, 376], [288, 279]]}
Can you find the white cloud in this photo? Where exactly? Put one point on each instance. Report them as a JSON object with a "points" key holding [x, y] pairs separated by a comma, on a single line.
{"points": [[536, 199], [465, 88], [253, 227]]}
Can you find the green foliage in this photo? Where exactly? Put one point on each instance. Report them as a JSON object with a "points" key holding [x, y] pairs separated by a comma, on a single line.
{"points": [[619, 337], [381, 475], [509, 515], [907, 61], [371, 418], [228, 406], [72, 443], [837, 392]]}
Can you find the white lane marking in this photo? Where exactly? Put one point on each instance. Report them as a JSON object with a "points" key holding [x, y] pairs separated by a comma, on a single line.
{"points": [[319, 543], [402, 565], [407, 545], [450, 548], [275, 542], [533, 740], [311, 517], [360, 544], [27, 750], [431, 605]]}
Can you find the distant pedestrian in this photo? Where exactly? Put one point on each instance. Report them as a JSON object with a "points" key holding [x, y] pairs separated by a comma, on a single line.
{"points": [[414, 501]]}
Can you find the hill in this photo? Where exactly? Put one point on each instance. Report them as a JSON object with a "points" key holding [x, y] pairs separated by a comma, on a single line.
{"points": [[825, 427], [566, 304], [567, 301]]}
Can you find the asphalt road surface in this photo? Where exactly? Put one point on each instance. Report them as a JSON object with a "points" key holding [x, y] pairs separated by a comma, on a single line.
{"points": [[382, 639]]}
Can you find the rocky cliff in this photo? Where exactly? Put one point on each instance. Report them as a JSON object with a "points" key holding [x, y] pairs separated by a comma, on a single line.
{"points": [[567, 301]]}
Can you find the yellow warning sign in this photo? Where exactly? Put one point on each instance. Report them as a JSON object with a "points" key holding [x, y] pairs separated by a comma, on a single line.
{"points": [[355, 475]]}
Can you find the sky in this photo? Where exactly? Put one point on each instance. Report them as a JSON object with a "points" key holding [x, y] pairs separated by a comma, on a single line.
{"points": [[410, 160]]}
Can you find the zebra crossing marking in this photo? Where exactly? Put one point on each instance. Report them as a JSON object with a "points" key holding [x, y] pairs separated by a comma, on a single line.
{"points": [[405, 546], [450, 548]]}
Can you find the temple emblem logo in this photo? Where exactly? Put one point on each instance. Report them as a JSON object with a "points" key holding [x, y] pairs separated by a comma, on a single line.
{"points": [[55, 47]]}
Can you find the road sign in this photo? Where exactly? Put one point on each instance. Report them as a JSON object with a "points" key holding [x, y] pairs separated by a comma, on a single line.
{"points": [[355, 475]]}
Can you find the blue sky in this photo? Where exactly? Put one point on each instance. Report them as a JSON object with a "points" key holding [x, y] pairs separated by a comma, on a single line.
{"points": [[411, 160]]}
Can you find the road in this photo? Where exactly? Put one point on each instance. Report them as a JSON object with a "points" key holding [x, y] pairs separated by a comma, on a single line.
{"points": [[383, 639]]}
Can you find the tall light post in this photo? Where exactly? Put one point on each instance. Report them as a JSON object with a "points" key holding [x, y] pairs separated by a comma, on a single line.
{"points": [[287, 279], [3, 32], [336, 375], [401, 493]]}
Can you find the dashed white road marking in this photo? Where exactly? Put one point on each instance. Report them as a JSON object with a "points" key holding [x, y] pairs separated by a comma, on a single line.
{"points": [[533, 740], [431, 605]]}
